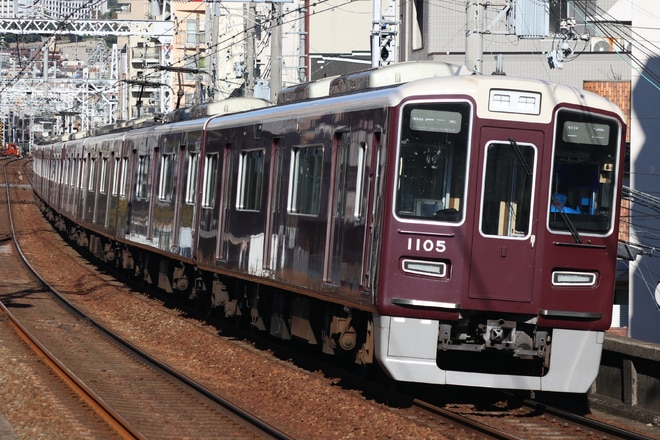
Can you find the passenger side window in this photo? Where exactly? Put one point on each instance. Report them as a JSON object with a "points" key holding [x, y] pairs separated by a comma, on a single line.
{"points": [[250, 177], [165, 185], [209, 189], [92, 174], [124, 177], [104, 175], [142, 184], [306, 180], [191, 184]]}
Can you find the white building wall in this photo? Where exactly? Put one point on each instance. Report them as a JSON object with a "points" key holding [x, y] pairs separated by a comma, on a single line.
{"points": [[442, 37], [337, 26]]}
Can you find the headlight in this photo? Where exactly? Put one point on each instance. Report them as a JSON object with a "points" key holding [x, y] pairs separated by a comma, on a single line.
{"points": [[428, 268], [566, 278]]}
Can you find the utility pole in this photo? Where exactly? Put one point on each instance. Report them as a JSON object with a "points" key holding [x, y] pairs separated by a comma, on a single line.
{"points": [[375, 33], [213, 23], [523, 18], [303, 69], [474, 56], [384, 34], [45, 49], [249, 22], [276, 53]]}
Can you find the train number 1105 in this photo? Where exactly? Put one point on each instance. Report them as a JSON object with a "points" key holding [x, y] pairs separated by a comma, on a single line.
{"points": [[428, 245]]}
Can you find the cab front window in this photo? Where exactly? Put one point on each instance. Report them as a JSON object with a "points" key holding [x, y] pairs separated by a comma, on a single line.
{"points": [[585, 160], [432, 161]]}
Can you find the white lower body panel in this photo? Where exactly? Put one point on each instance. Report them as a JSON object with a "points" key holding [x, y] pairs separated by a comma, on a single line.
{"points": [[407, 348]]}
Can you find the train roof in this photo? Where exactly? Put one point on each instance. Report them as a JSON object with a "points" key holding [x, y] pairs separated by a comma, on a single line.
{"points": [[530, 100], [226, 106], [387, 76]]}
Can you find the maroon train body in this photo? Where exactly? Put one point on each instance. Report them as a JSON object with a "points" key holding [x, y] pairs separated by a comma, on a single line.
{"points": [[455, 229]]}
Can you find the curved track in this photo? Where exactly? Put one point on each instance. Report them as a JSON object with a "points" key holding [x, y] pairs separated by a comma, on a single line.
{"points": [[133, 393]]}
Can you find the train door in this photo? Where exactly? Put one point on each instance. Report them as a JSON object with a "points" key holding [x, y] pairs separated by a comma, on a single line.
{"points": [[88, 186], [62, 184], [95, 183], [503, 247], [130, 182], [103, 197], [374, 206], [152, 191], [181, 200], [208, 196], [77, 184], [188, 184], [274, 228], [345, 232]]}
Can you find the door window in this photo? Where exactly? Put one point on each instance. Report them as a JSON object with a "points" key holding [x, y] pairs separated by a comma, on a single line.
{"points": [[508, 186]]}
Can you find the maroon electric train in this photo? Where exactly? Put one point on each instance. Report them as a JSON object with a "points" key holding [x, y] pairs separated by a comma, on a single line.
{"points": [[457, 229]]}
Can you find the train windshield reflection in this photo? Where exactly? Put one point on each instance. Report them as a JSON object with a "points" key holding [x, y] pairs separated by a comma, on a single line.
{"points": [[583, 173], [432, 161]]}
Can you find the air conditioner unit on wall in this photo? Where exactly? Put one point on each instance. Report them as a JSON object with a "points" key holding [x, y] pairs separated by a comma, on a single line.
{"points": [[607, 44]]}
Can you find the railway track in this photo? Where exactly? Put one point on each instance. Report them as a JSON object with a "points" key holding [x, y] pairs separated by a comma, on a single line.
{"points": [[135, 395], [530, 420], [462, 413], [446, 419]]}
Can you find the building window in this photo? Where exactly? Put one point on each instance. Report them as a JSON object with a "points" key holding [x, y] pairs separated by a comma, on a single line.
{"points": [[191, 31]]}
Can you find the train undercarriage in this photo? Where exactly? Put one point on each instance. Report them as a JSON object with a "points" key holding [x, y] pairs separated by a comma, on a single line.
{"points": [[335, 329], [501, 344]]}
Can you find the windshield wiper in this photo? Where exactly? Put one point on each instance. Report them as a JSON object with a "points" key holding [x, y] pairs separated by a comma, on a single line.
{"points": [[569, 223], [521, 158], [571, 227]]}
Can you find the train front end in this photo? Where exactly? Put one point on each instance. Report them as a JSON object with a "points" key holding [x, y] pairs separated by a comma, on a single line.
{"points": [[499, 234]]}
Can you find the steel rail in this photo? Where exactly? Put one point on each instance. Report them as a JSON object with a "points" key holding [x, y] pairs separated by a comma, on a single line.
{"points": [[101, 408], [154, 363]]}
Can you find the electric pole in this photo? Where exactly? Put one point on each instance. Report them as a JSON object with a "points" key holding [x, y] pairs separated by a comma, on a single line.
{"points": [[474, 56], [276, 53], [384, 34]]}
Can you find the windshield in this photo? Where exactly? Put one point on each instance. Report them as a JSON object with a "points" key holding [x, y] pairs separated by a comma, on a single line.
{"points": [[584, 164], [432, 160]]}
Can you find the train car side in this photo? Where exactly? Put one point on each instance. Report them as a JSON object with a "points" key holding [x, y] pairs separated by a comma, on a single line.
{"points": [[314, 179], [291, 214]]}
